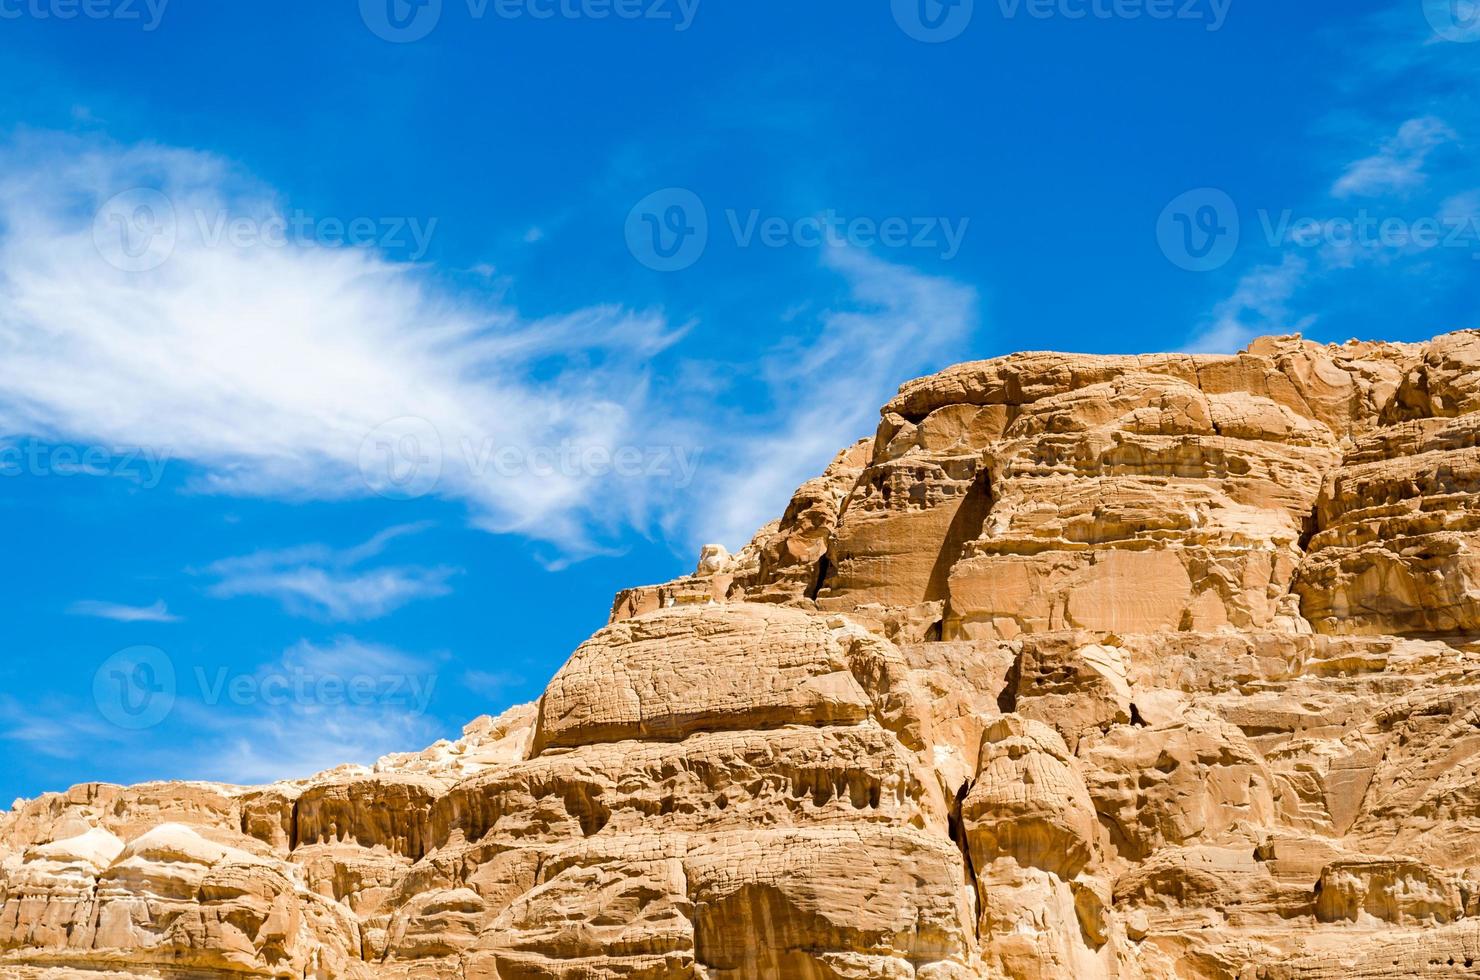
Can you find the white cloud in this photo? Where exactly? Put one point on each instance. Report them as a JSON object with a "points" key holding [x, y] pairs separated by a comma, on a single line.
{"points": [[156, 612], [315, 707], [1398, 166], [273, 370], [319, 581], [300, 745], [1404, 213], [318, 706], [345, 656], [55, 729], [1461, 209], [898, 324], [269, 365], [1259, 305]]}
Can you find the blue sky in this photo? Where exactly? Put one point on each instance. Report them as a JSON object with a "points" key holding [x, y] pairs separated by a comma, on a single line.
{"points": [[352, 356]]}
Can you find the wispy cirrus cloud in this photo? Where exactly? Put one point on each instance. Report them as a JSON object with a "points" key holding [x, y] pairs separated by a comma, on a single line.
{"points": [[1398, 167], [55, 729], [270, 365], [1259, 305], [1399, 206], [333, 584], [293, 370], [316, 706], [155, 612], [897, 323]]}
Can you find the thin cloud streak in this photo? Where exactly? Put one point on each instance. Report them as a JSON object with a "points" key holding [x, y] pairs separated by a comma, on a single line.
{"points": [[275, 371], [1259, 305], [1406, 69], [318, 581], [899, 323], [156, 612], [271, 367], [316, 707], [1398, 166]]}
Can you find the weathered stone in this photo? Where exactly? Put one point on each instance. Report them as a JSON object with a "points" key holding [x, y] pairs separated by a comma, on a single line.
{"points": [[1091, 667]]}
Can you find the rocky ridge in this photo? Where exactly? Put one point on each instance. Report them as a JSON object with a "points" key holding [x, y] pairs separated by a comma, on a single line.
{"points": [[1139, 667]]}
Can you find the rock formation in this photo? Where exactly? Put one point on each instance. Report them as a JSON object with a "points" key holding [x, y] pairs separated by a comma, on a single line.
{"points": [[1134, 667]]}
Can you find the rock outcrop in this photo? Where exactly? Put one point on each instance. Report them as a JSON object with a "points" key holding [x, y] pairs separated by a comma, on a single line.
{"points": [[1134, 667]]}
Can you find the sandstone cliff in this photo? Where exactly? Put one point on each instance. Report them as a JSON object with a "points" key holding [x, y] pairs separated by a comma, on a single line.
{"points": [[1138, 667]]}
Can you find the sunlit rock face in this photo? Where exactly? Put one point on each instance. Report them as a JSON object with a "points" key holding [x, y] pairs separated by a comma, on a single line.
{"points": [[1082, 667]]}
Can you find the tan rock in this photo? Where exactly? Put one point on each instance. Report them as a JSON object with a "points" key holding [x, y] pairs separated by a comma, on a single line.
{"points": [[1387, 889], [1198, 780], [1029, 801], [1072, 683], [828, 902], [1134, 667], [1396, 531], [744, 666]]}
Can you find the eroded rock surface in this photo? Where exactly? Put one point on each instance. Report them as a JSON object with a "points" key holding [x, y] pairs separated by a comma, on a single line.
{"points": [[1135, 667]]}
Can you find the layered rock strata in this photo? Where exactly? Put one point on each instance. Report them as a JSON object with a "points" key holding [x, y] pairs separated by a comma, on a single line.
{"points": [[1134, 667]]}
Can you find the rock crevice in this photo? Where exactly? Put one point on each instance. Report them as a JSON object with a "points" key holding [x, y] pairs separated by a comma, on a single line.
{"points": [[1136, 667]]}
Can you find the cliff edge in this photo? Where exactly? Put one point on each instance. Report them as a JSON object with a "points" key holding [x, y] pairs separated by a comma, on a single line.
{"points": [[1138, 667]]}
